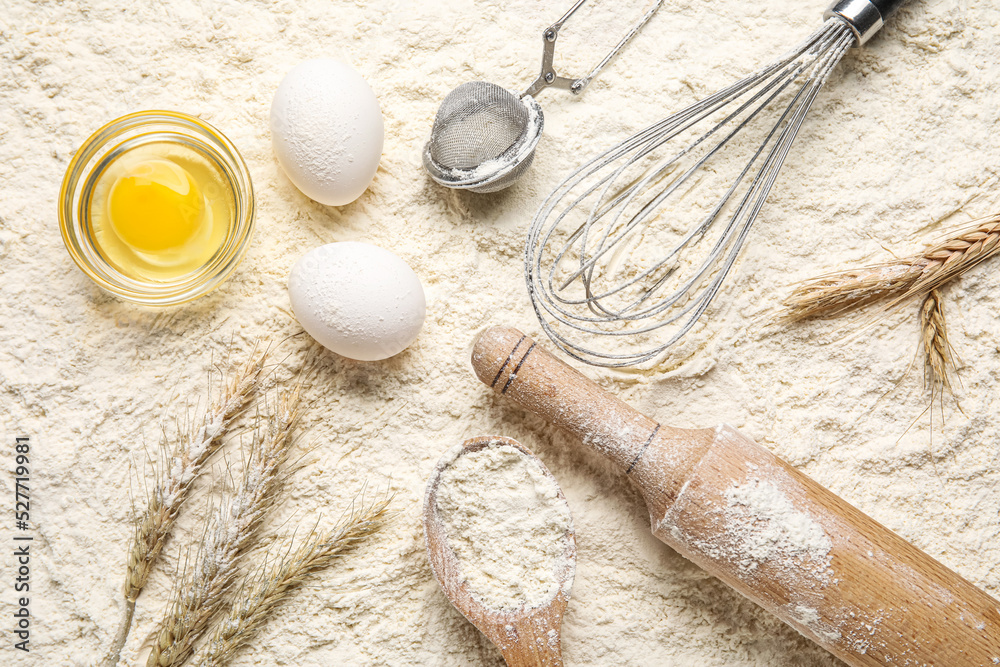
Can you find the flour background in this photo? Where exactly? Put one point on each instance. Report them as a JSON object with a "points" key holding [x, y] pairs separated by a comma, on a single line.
{"points": [[898, 143]]}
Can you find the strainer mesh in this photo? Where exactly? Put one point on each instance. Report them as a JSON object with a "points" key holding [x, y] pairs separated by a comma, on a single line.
{"points": [[476, 123]]}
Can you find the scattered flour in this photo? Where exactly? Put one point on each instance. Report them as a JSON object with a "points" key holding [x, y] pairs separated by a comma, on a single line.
{"points": [[508, 525], [810, 618], [900, 141]]}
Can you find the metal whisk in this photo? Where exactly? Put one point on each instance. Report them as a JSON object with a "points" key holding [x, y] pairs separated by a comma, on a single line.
{"points": [[627, 249], [484, 136]]}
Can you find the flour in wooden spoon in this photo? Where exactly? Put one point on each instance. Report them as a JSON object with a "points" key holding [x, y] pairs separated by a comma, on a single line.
{"points": [[508, 526]]}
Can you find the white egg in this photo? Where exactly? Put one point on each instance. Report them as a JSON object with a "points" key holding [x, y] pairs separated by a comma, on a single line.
{"points": [[357, 299], [327, 131]]}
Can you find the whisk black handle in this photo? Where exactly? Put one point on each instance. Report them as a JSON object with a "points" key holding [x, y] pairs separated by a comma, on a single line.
{"points": [[887, 7], [865, 17]]}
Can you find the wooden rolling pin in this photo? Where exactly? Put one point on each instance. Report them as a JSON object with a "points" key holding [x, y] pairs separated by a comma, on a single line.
{"points": [[776, 536]]}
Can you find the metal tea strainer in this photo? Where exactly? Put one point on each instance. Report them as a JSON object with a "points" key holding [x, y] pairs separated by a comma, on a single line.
{"points": [[484, 136]]}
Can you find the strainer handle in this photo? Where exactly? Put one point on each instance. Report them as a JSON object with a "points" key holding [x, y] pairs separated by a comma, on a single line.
{"points": [[548, 76]]}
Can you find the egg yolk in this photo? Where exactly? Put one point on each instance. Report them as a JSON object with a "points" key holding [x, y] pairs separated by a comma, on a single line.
{"points": [[155, 206]]}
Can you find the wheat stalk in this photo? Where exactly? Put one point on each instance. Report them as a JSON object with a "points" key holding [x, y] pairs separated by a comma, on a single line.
{"points": [[191, 452], [837, 293], [261, 596], [230, 534]]}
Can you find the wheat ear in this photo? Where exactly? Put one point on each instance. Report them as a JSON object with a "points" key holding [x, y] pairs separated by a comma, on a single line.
{"points": [[261, 596], [938, 359], [837, 293], [190, 454], [231, 532]]}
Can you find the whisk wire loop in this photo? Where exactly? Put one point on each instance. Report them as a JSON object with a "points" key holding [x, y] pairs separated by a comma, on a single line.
{"points": [[623, 203]]}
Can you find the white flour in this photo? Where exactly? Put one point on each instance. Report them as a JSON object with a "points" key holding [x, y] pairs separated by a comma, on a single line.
{"points": [[767, 528], [901, 140], [507, 525]]}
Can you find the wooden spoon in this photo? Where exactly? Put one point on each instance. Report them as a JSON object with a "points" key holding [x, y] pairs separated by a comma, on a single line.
{"points": [[527, 637]]}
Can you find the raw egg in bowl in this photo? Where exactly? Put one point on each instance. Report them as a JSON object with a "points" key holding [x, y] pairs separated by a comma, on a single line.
{"points": [[157, 208]]}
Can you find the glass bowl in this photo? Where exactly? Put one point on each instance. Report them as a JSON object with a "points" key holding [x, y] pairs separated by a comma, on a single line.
{"points": [[100, 151]]}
